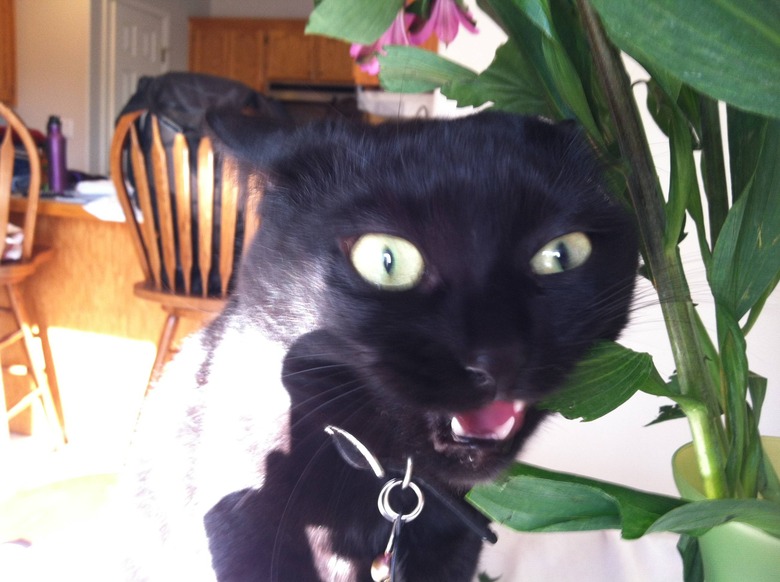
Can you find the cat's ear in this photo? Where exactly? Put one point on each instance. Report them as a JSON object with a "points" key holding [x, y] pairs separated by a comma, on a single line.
{"points": [[253, 139]]}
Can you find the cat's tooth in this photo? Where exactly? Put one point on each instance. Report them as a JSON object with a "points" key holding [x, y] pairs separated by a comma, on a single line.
{"points": [[504, 430], [457, 428], [499, 434]]}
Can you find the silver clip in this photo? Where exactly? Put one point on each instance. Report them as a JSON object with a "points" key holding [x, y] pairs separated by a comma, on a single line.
{"points": [[354, 452]]}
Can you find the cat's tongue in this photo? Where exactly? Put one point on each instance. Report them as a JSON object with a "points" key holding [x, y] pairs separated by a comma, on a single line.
{"points": [[497, 421]]}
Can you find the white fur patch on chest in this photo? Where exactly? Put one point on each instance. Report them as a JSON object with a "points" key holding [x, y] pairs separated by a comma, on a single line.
{"points": [[330, 566], [198, 441]]}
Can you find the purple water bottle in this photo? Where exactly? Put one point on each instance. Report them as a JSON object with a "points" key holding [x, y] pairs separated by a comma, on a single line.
{"points": [[55, 150]]}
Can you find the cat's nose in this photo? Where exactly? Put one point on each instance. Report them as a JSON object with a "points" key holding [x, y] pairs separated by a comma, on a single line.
{"points": [[496, 370], [481, 378]]}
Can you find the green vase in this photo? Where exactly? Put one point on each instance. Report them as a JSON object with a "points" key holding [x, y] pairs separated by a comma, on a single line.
{"points": [[733, 551]]}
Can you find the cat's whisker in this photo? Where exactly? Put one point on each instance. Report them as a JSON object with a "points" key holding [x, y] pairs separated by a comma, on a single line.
{"points": [[340, 397], [314, 369]]}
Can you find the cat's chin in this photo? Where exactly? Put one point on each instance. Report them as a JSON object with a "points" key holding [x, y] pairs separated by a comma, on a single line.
{"points": [[483, 440]]}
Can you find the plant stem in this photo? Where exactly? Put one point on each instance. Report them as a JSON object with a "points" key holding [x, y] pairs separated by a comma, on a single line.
{"points": [[665, 267]]}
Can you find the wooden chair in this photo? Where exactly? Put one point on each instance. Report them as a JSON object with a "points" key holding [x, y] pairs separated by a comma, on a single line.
{"points": [[13, 272], [187, 256]]}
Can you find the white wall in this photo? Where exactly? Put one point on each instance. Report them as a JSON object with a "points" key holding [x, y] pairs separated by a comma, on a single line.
{"points": [[59, 54], [53, 68]]}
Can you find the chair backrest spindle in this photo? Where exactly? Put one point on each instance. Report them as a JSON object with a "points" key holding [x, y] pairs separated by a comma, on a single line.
{"points": [[252, 217], [181, 171], [162, 191], [147, 226], [205, 219], [185, 213], [228, 214]]}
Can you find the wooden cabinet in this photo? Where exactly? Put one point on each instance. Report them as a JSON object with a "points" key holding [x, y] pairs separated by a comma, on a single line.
{"points": [[290, 55], [332, 61], [261, 51], [236, 52], [7, 53]]}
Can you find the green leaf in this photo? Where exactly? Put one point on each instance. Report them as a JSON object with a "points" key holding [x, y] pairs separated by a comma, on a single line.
{"points": [[510, 82], [531, 28], [660, 106], [530, 504], [530, 39], [683, 186], [758, 306], [706, 44], [538, 12], [746, 259], [769, 482], [528, 498], [678, 117], [668, 412], [604, 380], [746, 134], [757, 389], [567, 84], [733, 350], [693, 569], [572, 38], [360, 21], [406, 69], [698, 517]]}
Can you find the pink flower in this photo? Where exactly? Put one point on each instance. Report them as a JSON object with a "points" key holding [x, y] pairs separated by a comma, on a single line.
{"points": [[397, 34], [444, 20]]}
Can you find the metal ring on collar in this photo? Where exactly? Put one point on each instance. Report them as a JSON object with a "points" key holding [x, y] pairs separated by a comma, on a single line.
{"points": [[383, 502]]}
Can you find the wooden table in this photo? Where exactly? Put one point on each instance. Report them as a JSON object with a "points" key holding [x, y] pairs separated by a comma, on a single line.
{"points": [[102, 337]]}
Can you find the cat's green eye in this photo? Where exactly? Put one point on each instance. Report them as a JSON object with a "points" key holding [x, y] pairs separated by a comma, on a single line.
{"points": [[387, 261], [561, 254]]}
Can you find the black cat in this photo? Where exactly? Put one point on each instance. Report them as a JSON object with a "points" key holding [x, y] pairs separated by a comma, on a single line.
{"points": [[420, 285]]}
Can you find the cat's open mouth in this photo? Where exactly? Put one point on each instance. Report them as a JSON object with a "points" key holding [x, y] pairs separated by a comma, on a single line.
{"points": [[497, 422], [482, 439]]}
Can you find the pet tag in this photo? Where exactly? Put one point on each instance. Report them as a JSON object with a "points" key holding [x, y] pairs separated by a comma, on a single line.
{"points": [[383, 566]]}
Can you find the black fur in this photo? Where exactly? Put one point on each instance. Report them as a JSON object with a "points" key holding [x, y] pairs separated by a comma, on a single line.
{"points": [[479, 197]]}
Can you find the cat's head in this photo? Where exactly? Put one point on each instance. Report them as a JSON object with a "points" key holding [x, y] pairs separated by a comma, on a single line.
{"points": [[454, 272]]}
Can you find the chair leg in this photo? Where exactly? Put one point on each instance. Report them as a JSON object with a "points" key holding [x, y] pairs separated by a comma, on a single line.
{"points": [[51, 374], [163, 347], [36, 357], [5, 431]]}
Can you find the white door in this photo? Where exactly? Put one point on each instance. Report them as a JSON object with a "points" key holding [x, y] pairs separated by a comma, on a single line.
{"points": [[133, 43], [140, 46]]}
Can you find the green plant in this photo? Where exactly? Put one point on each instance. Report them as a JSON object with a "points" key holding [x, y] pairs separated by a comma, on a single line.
{"points": [[562, 60]]}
